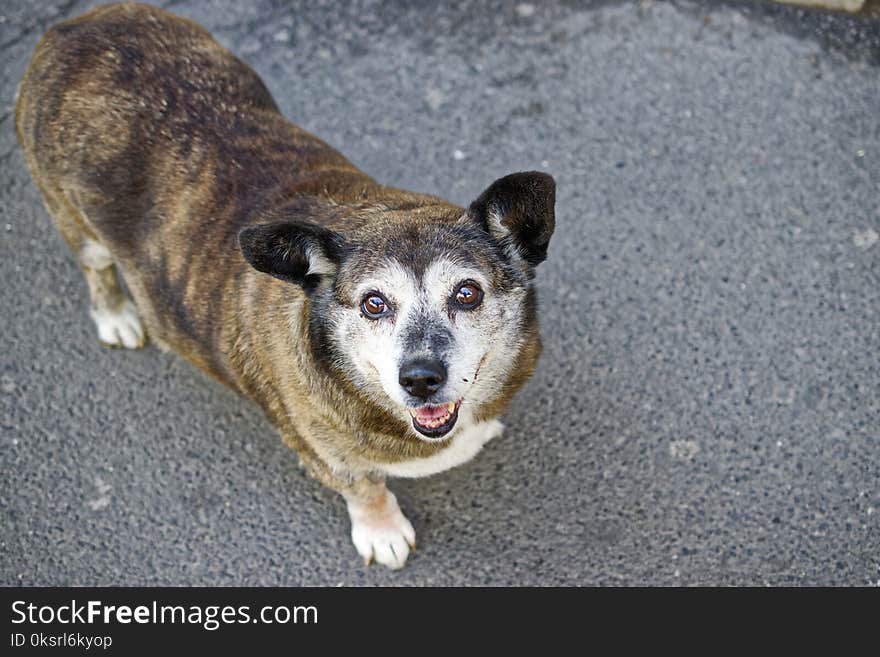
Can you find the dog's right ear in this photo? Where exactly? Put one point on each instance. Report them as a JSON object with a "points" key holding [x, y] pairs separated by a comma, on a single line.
{"points": [[519, 210], [294, 251]]}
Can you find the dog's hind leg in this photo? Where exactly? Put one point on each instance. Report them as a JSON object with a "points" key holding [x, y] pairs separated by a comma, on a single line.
{"points": [[114, 314]]}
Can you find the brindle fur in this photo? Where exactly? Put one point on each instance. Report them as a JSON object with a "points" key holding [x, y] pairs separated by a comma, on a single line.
{"points": [[146, 136]]}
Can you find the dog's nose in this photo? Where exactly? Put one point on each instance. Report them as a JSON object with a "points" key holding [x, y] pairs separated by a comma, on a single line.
{"points": [[422, 377]]}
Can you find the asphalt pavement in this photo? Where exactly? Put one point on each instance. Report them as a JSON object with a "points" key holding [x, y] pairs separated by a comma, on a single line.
{"points": [[707, 407]]}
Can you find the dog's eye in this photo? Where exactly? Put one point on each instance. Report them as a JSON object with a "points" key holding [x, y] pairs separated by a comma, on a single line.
{"points": [[468, 296], [374, 306]]}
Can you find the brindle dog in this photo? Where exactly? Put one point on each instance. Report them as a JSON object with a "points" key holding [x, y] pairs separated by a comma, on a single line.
{"points": [[382, 331]]}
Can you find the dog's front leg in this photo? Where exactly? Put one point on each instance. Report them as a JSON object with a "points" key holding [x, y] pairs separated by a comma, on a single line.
{"points": [[379, 530]]}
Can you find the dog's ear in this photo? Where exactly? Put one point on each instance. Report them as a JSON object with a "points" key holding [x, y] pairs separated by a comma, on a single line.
{"points": [[294, 251], [519, 211]]}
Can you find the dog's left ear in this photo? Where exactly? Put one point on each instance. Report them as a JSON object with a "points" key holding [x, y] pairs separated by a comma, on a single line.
{"points": [[519, 211], [295, 251]]}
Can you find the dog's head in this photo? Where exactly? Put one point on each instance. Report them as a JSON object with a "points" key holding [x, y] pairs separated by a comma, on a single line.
{"points": [[423, 311]]}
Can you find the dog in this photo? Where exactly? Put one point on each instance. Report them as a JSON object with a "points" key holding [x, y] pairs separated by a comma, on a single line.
{"points": [[382, 331]]}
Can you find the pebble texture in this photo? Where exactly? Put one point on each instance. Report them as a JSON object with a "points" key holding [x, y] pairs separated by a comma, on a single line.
{"points": [[707, 408]]}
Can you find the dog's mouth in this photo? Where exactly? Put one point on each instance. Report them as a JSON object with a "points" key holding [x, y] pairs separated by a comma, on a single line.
{"points": [[435, 421]]}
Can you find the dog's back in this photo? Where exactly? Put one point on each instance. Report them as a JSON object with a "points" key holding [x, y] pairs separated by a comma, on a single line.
{"points": [[147, 136]]}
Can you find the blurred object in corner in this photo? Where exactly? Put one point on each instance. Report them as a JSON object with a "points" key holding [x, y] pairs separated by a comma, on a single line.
{"points": [[846, 5]]}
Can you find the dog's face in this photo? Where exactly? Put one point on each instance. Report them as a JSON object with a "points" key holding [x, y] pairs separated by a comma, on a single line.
{"points": [[427, 320], [423, 314]]}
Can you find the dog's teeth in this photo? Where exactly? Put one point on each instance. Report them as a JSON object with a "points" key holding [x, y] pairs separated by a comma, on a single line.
{"points": [[413, 412], [451, 406]]}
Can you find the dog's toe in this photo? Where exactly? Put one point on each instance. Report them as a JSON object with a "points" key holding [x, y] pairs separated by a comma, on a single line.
{"points": [[119, 328], [386, 537]]}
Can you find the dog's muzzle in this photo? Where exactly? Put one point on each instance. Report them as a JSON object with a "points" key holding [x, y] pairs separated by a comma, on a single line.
{"points": [[435, 421]]}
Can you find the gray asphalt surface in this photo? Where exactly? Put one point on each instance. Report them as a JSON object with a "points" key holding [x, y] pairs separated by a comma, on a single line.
{"points": [[707, 408]]}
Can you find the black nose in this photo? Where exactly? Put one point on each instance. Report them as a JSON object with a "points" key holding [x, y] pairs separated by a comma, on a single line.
{"points": [[422, 377]]}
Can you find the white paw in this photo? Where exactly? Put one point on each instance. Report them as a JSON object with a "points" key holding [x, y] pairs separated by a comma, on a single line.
{"points": [[382, 534], [119, 328]]}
